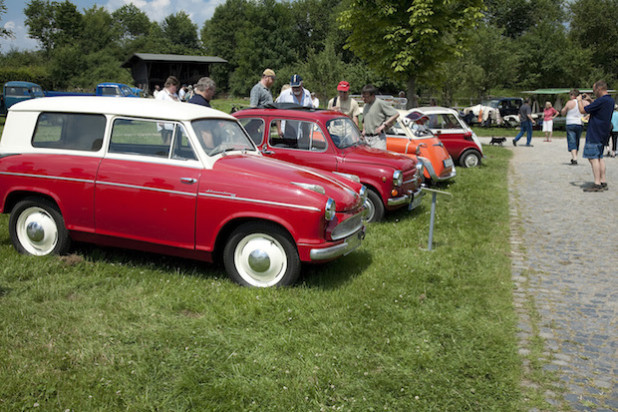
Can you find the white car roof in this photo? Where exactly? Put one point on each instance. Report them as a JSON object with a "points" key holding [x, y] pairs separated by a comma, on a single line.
{"points": [[434, 110], [122, 106]]}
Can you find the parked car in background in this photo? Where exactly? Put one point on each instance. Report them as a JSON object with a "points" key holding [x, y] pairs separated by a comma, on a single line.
{"points": [[497, 111], [409, 138], [330, 141], [168, 178], [459, 140], [17, 91]]}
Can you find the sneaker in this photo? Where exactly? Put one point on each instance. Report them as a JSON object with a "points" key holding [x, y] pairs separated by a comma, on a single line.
{"points": [[593, 188], [514, 142], [573, 161], [604, 186]]}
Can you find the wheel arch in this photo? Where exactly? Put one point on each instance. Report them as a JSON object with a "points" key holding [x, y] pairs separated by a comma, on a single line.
{"points": [[464, 153], [226, 231], [18, 195]]}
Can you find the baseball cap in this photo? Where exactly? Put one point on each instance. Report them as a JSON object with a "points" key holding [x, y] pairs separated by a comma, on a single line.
{"points": [[268, 72], [295, 80], [343, 86]]}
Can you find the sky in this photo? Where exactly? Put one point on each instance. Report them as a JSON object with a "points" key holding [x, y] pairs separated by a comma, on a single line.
{"points": [[156, 10]]}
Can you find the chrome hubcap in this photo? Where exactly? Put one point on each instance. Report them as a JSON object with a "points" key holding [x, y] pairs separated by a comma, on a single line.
{"points": [[259, 261], [35, 231]]}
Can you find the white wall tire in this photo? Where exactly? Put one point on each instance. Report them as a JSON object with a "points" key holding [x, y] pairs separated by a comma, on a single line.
{"points": [[374, 208], [37, 228], [471, 158], [261, 255]]}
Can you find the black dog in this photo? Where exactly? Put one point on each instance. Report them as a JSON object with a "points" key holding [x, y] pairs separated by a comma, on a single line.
{"points": [[497, 140]]}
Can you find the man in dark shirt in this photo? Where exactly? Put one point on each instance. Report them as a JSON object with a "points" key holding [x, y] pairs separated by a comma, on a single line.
{"points": [[597, 134], [526, 122], [204, 90]]}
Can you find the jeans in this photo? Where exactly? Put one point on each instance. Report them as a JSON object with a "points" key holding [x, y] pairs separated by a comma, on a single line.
{"points": [[526, 127], [574, 133]]}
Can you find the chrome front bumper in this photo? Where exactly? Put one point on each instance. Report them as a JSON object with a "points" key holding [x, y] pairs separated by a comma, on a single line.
{"points": [[432, 173], [416, 200], [349, 244], [399, 201]]}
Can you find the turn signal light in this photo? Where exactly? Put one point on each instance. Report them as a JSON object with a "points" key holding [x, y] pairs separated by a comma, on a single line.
{"points": [[394, 193]]}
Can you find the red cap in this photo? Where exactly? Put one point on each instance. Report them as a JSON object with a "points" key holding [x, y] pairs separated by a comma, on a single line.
{"points": [[343, 86]]}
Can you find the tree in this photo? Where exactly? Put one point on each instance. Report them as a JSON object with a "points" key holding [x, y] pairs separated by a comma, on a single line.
{"points": [[407, 41], [53, 24], [4, 32], [181, 31], [131, 22], [593, 26]]}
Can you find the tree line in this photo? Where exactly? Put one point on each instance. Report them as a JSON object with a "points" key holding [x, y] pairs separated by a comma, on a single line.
{"points": [[450, 51]]}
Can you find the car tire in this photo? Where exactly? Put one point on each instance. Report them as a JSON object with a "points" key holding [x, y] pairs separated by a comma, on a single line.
{"points": [[37, 228], [471, 158], [374, 207], [261, 254]]}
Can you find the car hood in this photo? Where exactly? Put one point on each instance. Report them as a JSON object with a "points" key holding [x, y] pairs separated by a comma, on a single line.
{"points": [[369, 155], [278, 174]]}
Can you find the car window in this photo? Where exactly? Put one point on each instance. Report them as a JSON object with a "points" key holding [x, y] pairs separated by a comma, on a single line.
{"points": [[344, 132], [220, 135], [443, 121], [69, 131], [17, 91], [255, 129], [150, 138], [296, 134]]}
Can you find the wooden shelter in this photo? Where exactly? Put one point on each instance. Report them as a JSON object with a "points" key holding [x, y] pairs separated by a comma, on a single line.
{"points": [[150, 69]]}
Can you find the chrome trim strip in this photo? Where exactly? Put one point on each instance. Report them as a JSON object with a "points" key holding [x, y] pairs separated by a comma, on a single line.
{"points": [[70, 179], [232, 196], [152, 189]]}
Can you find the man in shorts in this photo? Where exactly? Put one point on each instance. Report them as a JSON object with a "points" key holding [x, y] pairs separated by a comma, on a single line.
{"points": [[597, 134]]}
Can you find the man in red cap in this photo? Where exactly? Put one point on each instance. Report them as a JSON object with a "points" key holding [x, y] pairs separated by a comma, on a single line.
{"points": [[343, 103]]}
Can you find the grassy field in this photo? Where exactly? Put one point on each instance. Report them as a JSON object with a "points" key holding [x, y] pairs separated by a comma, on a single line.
{"points": [[389, 327]]}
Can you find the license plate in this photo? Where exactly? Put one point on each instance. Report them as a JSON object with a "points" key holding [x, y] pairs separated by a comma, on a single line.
{"points": [[353, 242], [448, 162]]}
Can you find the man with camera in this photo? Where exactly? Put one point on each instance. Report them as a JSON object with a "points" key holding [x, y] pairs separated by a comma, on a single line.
{"points": [[597, 134]]}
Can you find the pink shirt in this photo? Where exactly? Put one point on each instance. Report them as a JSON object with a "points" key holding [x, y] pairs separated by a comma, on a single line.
{"points": [[549, 113]]}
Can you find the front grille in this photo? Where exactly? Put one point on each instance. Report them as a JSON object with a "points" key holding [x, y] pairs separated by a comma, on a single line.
{"points": [[347, 227]]}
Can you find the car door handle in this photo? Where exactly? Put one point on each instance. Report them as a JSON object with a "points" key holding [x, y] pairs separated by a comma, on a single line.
{"points": [[188, 180]]}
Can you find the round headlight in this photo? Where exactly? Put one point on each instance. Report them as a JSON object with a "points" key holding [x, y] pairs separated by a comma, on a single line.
{"points": [[330, 210], [397, 178]]}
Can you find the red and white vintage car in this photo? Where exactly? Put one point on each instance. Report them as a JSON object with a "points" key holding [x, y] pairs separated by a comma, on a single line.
{"points": [[168, 178], [330, 141]]}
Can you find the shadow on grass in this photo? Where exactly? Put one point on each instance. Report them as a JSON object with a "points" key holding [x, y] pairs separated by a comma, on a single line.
{"points": [[325, 275], [334, 274]]}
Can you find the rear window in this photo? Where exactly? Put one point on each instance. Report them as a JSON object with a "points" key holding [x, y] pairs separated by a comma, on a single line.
{"points": [[69, 131]]}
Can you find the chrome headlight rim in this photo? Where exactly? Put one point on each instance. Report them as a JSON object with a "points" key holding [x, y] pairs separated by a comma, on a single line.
{"points": [[363, 192], [397, 178], [330, 209]]}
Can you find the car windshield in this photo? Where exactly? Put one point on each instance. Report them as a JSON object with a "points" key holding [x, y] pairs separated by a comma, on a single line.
{"points": [[491, 103], [418, 130], [344, 132], [220, 135]]}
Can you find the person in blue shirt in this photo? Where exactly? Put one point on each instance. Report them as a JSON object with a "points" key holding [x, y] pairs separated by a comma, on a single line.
{"points": [[597, 135], [612, 153], [203, 92]]}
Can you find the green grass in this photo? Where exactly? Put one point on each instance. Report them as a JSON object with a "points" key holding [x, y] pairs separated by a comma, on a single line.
{"points": [[389, 327]]}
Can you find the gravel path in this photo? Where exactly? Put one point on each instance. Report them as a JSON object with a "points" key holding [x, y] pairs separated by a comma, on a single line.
{"points": [[565, 261]]}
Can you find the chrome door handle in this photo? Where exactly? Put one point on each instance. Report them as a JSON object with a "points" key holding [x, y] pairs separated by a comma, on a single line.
{"points": [[188, 180]]}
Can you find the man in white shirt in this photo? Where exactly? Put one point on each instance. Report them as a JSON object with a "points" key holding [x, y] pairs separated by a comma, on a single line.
{"points": [[296, 93]]}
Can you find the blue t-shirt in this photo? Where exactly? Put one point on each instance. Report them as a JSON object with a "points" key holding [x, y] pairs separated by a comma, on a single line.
{"points": [[615, 122], [599, 124]]}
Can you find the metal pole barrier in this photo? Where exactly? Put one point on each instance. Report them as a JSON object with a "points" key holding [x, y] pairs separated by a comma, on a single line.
{"points": [[432, 218]]}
